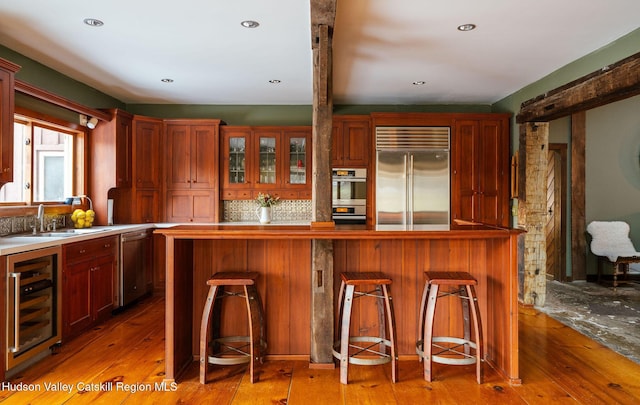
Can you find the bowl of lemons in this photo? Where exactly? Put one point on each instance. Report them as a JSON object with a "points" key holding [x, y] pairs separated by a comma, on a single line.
{"points": [[82, 218]]}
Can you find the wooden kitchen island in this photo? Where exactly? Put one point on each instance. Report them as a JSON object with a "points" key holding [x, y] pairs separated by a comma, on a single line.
{"points": [[282, 256]]}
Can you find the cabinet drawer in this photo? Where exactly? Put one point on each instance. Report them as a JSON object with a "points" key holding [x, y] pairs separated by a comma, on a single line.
{"points": [[76, 252], [287, 195], [237, 195], [305, 195]]}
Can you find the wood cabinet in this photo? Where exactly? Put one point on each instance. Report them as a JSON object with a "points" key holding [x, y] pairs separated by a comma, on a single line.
{"points": [[274, 160], [147, 206], [7, 78], [147, 150], [191, 170], [88, 283], [351, 140], [191, 155], [480, 171], [110, 165]]}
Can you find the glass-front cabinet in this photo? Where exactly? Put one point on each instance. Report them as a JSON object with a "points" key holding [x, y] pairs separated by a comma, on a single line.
{"points": [[274, 160], [297, 162], [237, 150], [268, 143]]}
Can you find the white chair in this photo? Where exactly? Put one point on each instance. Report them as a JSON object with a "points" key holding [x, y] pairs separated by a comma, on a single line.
{"points": [[610, 241]]}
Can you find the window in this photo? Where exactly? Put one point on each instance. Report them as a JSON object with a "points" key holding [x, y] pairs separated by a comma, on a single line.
{"points": [[43, 162]]}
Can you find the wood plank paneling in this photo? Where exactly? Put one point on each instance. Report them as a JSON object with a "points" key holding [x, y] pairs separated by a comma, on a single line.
{"points": [[284, 286], [406, 260]]}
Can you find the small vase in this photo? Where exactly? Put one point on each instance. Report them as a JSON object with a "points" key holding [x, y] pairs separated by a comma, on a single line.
{"points": [[264, 214]]}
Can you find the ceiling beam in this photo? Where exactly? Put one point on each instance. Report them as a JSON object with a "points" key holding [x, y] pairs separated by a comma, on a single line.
{"points": [[611, 83]]}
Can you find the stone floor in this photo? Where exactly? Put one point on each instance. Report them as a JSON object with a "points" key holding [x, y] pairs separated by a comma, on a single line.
{"points": [[607, 316]]}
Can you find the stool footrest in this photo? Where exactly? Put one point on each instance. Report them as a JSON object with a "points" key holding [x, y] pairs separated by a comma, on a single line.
{"points": [[380, 358], [461, 360], [239, 356]]}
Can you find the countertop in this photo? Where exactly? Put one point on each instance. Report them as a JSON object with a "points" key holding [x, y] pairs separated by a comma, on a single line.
{"points": [[253, 230], [26, 242], [285, 231]]}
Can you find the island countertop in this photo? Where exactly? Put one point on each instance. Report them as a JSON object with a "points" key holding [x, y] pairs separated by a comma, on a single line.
{"points": [[234, 231]]}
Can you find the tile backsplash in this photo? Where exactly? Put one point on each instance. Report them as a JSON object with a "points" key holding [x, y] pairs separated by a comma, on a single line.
{"points": [[285, 211], [22, 224]]}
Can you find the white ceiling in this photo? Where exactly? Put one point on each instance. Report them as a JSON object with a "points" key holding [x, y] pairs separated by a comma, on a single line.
{"points": [[380, 47]]}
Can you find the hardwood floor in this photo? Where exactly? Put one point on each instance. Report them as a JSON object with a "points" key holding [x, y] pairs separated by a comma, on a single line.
{"points": [[557, 365]]}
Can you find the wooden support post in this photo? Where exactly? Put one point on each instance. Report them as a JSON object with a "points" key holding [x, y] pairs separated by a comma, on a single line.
{"points": [[322, 314], [578, 197], [535, 245]]}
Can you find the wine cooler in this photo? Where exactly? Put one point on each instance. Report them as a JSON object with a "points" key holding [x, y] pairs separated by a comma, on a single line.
{"points": [[33, 304]]}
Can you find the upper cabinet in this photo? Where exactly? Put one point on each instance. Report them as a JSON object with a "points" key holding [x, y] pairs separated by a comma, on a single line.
{"points": [[297, 159], [273, 160], [350, 141], [147, 169], [110, 146], [148, 152], [480, 171], [7, 78], [191, 154], [191, 167]]}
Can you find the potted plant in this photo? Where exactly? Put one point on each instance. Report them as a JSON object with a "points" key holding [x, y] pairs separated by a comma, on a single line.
{"points": [[265, 202]]}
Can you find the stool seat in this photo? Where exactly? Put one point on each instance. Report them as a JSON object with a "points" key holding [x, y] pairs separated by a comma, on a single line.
{"points": [[451, 350], [231, 350], [233, 278], [449, 278], [352, 278], [366, 350]]}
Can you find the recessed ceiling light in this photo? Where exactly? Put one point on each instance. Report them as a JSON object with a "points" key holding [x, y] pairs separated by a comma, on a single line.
{"points": [[419, 83], [93, 22], [466, 27], [250, 24], [166, 80], [274, 81]]}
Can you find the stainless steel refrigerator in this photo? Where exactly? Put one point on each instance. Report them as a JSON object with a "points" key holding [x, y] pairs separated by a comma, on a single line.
{"points": [[412, 178]]}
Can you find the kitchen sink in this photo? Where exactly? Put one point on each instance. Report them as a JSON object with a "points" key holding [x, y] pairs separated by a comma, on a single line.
{"points": [[57, 234]]}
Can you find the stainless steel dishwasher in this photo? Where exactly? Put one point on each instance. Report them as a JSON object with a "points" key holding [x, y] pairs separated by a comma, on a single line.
{"points": [[135, 266]]}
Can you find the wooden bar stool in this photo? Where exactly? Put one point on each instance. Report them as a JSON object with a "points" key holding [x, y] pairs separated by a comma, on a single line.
{"points": [[450, 350], [232, 349], [366, 354]]}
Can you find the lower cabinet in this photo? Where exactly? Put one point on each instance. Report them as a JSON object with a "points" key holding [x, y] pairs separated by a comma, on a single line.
{"points": [[88, 283]]}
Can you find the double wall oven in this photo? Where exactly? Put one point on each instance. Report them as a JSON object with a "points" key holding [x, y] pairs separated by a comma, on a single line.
{"points": [[33, 304], [349, 188]]}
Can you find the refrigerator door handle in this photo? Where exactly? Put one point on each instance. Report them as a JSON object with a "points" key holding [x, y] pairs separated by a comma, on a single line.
{"points": [[409, 210], [407, 195]]}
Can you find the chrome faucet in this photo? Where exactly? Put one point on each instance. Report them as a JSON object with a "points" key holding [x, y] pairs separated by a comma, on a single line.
{"points": [[41, 217]]}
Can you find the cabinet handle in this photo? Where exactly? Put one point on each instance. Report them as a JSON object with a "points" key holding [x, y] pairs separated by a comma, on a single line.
{"points": [[16, 313], [107, 245], [82, 251]]}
